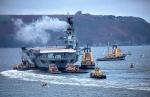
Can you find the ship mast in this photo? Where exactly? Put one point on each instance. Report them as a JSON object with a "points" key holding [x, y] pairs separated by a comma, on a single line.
{"points": [[108, 50]]}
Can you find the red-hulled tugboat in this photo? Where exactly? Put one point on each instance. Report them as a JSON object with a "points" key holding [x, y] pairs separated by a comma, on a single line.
{"points": [[71, 68], [25, 65], [53, 69]]}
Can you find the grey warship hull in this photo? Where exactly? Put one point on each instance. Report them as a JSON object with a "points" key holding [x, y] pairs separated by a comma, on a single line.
{"points": [[60, 59]]}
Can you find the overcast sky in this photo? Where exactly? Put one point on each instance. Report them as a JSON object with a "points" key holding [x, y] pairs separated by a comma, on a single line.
{"points": [[138, 8]]}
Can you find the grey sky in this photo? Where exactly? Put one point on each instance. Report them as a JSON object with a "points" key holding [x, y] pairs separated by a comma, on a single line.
{"points": [[138, 8]]}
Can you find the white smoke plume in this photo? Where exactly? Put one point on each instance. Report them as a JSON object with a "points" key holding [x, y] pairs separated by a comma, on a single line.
{"points": [[37, 31]]}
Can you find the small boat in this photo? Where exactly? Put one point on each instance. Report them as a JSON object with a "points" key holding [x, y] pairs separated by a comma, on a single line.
{"points": [[97, 74], [53, 69], [114, 55], [44, 84], [71, 68], [131, 65], [142, 55], [87, 59]]}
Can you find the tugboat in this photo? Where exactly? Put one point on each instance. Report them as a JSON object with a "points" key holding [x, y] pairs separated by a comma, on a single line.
{"points": [[71, 68], [53, 69], [25, 65], [98, 74], [114, 55], [60, 56], [87, 59]]}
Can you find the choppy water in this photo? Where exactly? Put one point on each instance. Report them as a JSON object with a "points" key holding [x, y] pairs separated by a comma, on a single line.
{"points": [[119, 75]]}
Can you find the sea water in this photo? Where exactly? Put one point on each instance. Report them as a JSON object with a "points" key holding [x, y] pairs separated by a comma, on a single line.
{"points": [[119, 74]]}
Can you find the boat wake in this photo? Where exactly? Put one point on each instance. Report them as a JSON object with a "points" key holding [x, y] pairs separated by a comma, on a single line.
{"points": [[32, 75]]}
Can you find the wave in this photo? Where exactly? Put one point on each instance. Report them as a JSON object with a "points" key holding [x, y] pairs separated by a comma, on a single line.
{"points": [[61, 79]]}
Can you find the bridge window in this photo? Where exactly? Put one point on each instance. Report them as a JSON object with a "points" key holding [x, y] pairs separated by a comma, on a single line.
{"points": [[43, 55]]}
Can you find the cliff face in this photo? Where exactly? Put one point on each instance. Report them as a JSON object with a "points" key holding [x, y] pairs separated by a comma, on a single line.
{"points": [[90, 29], [103, 29]]}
